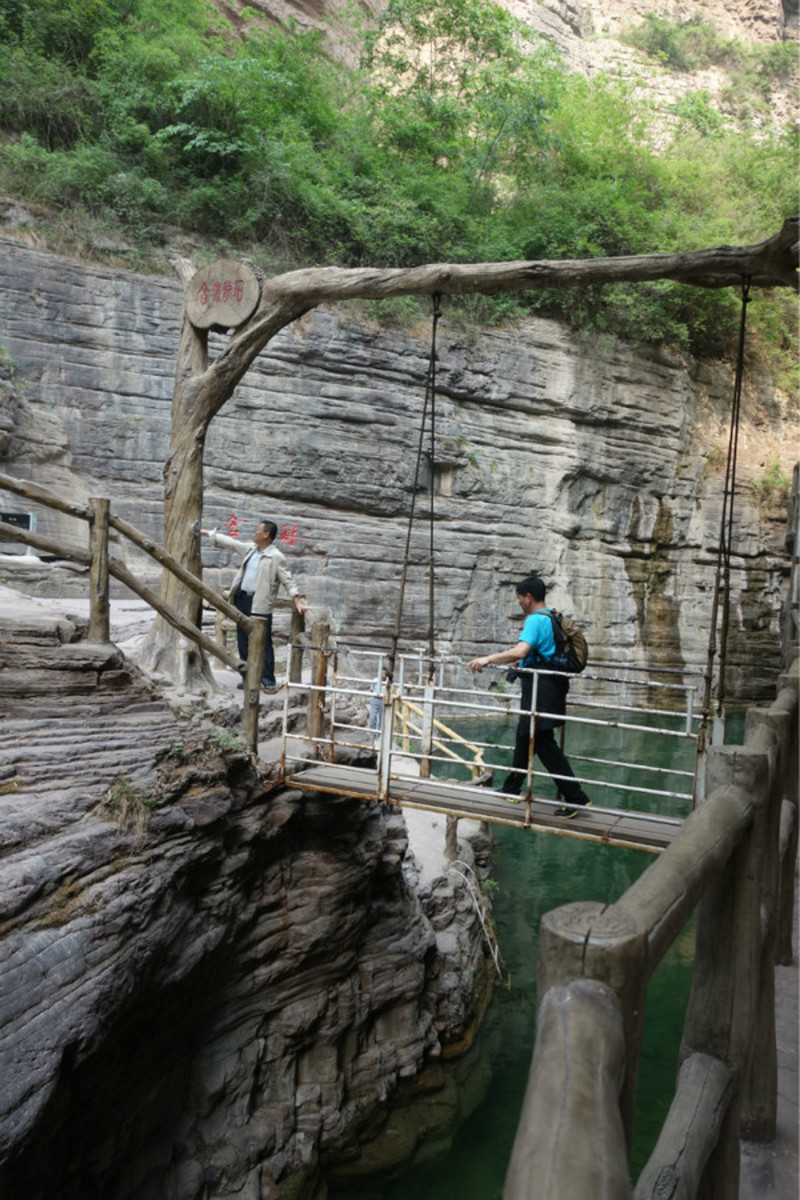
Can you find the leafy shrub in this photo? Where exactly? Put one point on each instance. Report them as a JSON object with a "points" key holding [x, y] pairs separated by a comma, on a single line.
{"points": [[461, 137]]}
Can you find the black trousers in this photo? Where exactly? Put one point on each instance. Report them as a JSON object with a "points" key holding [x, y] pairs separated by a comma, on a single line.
{"points": [[244, 603], [551, 697]]}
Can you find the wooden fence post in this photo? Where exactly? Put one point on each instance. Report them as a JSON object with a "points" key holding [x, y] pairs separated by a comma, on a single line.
{"points": [[722, 1008], [766, 729], [320, 631], [588, 940], [295, 671], [99, 609], [787, 700], [570, 1144], [256, 640]]}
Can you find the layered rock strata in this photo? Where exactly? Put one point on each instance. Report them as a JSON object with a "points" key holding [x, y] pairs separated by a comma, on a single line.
{"points": [[208, 985], [599, 466]]}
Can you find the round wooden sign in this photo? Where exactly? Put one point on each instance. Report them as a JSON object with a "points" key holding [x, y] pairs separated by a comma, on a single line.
{"points": [[223, 293]]}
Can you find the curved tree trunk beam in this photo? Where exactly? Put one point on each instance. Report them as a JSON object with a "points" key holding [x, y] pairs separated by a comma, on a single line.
{"points": [[771, 263], [201, 389], [570, 1142]]}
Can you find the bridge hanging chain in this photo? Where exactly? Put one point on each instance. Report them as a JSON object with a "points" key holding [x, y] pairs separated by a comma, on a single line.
{"points": [[722, 582], [429, 403]]}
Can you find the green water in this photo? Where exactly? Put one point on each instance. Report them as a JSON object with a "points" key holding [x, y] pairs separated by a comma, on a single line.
{"points": [[537, 872]]}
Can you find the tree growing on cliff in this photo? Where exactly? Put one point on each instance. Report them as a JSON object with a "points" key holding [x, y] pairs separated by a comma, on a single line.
{"points": [[202, 387]]}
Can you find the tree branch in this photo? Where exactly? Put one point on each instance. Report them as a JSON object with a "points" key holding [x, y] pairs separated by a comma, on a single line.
{"points": [[768, 264]]}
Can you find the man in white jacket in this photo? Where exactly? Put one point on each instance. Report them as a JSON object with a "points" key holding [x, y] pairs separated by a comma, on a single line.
{"points": [[255, 588]]}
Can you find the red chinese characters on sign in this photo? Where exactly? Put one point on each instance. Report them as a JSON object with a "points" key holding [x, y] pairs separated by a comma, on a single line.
{"points": [[231, 526], [222, 294], [221, 291]]}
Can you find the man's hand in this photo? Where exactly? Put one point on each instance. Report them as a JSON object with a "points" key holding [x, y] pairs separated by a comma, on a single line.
{"points": [[301, 605], [478, 664]]}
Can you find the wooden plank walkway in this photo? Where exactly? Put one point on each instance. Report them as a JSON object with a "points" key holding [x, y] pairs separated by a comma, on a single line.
{"points": [[615, 827]]}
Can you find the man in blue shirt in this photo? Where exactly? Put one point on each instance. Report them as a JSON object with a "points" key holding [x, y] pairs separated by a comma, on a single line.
{"points": [[536, 646]]}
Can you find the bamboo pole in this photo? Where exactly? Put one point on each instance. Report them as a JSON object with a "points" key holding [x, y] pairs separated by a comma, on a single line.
{"points": [[99, 612]]}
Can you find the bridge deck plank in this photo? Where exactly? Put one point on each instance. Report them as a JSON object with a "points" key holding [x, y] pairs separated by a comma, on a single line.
{"points": [[632, 830]]}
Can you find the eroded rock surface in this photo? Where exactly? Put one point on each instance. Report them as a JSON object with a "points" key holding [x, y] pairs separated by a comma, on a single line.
{"points": [[207, 987]]}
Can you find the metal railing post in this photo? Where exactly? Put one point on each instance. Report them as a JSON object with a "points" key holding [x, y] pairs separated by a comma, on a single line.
{"points": [[426, 746], [385, 746]]}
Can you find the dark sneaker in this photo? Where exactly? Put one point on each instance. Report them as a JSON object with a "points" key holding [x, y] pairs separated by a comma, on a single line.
{"points": [[568, 810]]}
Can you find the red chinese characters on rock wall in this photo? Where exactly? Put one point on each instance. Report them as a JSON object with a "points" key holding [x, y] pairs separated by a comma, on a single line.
{"points": [[223, 294], [289, 535]]}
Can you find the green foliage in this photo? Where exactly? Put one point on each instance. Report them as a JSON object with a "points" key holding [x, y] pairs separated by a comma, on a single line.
{"points": [[130, 806], [687, 46], [694, 45], [696, 109], [227, 742], [460, 137], [774, 484]]}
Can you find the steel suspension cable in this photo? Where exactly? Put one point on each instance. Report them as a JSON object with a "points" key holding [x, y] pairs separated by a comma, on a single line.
{"points": [[429, 402], [722, 582]]}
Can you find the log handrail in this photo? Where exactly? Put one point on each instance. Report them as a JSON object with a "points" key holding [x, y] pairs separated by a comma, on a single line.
{"points": [[101, 564], [118, 569], [726, 863]]}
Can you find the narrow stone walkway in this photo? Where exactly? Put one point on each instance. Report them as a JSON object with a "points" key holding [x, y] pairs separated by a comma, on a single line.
{"points": [[772, 1171]]}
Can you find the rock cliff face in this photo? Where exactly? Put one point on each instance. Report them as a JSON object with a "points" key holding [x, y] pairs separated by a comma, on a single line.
{"points": [[207, 987], [599, 467]]}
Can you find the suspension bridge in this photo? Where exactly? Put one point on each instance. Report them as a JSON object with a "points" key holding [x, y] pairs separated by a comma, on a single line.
{"points": [[419, 757]]}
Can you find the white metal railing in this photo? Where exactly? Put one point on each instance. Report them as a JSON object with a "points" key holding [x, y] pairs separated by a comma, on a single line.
{"points": [[653, 735]]}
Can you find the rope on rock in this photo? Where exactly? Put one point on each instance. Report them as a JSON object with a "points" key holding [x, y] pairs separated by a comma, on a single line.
{"points": [[429, 404]]}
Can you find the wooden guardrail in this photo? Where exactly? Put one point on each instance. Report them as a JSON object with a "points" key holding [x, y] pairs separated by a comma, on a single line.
{"points": [[733, 862], [101, 564]]}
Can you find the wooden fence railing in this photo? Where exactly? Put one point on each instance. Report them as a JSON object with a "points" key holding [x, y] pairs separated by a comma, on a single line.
{"points": [[734, 862], [101, 564]]}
